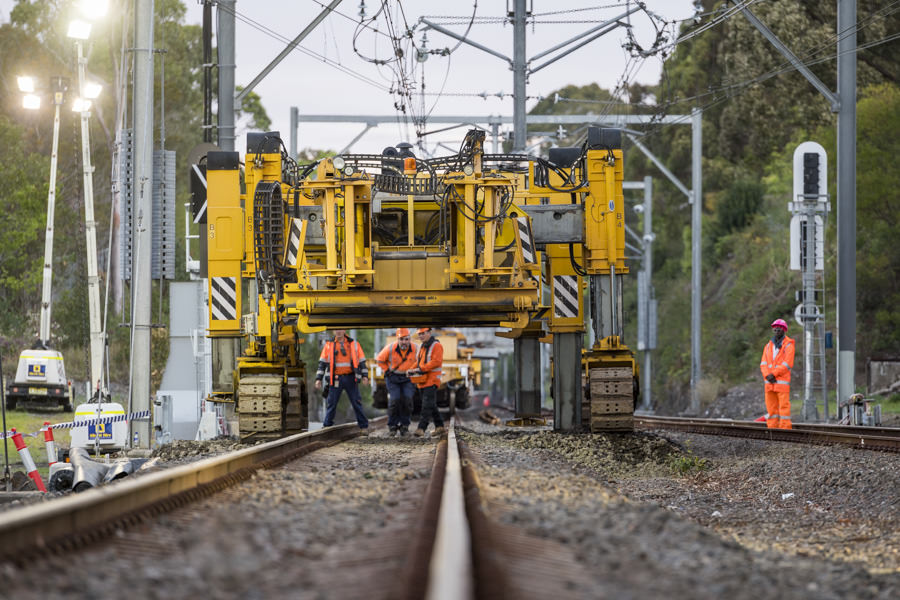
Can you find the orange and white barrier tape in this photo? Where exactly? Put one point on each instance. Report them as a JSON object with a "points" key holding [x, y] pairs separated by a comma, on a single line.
{"points": [[135, 416]]}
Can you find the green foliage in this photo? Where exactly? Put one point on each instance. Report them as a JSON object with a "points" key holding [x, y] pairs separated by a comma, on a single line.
{"points": [[24, 177], [742, 200], [878, 220], [252, 107], [27, 421], [687, 463], [566, 101], [891, 404]]}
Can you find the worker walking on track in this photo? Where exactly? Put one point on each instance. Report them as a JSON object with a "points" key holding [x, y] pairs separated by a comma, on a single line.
{"points": [[777, 362], [395, 359], [427, 376], [344, 363]]}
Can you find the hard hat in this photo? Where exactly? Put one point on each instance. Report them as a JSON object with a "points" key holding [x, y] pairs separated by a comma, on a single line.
{"points": [[402, 332], [422, 330], [779, 323]]}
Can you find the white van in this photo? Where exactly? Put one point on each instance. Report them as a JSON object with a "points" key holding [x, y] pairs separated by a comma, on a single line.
{"points": [[40, 379]]}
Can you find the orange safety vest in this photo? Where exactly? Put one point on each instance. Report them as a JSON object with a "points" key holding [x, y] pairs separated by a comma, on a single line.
{"points": [[429, 360], [391, 358], [343, 364], [779, 365]]}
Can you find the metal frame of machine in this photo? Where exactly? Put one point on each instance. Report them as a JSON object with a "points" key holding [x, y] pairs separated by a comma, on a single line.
{"points": [[471, 239]]}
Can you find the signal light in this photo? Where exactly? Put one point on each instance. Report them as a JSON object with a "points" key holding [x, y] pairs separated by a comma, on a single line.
{"points": [[810, 174]]}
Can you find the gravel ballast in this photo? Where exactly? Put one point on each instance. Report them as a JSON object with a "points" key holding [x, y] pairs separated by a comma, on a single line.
{"points": [[643, 515], [701, 516]]}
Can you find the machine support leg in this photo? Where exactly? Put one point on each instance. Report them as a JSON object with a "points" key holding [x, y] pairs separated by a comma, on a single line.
{"points": [[225, 351], [527, 353], [567, 389]]}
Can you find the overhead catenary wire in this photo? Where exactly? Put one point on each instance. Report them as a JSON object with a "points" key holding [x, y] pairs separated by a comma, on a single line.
{"points": [[729, 90], [300, 48]]}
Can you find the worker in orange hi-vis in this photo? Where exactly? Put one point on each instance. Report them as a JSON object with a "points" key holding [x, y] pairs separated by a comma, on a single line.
{"points": [[427, 377], [395, 359], [342, 365], [777, 362]]}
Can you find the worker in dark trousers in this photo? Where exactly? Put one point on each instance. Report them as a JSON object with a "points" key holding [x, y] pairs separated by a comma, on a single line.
{"points": [[344, 363], [395, 359], [427, 377]]}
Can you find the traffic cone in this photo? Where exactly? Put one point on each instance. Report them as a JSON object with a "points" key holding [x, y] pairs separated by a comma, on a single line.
{"points": [[51, 445], [27, 461], [761, 419]]}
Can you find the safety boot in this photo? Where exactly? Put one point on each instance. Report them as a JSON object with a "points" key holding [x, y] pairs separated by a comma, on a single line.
{"points": [[419, 433], [438, 431]]}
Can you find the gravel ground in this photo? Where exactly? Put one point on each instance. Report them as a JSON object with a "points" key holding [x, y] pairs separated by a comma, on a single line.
{"points": [[700, 516], [644, 514], [334, 524]]}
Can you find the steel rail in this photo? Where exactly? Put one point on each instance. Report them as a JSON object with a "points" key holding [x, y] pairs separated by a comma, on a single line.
{"points": [[877, 438], [450, 569], [69, 522]]}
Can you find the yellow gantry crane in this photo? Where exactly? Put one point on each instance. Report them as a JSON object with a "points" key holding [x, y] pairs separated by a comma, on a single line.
{"points": [[364, 241]]}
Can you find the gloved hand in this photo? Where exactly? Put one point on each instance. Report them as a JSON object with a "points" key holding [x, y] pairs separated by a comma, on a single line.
{"points": [[770, 378]]}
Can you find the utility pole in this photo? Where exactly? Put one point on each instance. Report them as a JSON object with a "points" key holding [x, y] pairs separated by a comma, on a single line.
{"points": [[520, 131], [696, 256], [143, 223], [846, 184], [295, 113], [225, 43], [646, 341]]}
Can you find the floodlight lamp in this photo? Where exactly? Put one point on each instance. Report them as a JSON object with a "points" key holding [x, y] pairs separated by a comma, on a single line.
{"points": [[26, 84], [31, 102], [81, 105], [338, 163], [80, 30], [468, 170], [92, 90], [94, 9]]}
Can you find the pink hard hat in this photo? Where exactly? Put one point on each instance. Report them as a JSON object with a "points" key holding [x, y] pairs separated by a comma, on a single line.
{"points": [[779, 323]]}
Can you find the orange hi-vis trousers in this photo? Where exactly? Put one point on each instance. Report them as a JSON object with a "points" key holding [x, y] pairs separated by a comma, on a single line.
{"points": [[778, 407]]}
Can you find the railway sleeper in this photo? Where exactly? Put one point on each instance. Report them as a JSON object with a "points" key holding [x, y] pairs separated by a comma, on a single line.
{"points": [[609, 401]]}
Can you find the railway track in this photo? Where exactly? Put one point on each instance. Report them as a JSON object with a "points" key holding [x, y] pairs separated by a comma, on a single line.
{"points": [[431, 540], [886, 439]]}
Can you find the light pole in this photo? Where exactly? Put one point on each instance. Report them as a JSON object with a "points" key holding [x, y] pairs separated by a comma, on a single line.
{"points": [[80, 31], [58, 87]]}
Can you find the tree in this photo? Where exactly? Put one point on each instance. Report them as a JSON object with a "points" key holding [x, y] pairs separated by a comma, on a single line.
{"points": [[24, 177]]}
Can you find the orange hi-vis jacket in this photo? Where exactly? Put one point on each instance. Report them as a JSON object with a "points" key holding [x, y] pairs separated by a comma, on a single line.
{"points": [[392, 358], [341, 359], [429, 360], [779, 365]]}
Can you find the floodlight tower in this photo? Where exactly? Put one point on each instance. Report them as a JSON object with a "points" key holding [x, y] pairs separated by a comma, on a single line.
{"points": [[31, 101], [80, 31]]}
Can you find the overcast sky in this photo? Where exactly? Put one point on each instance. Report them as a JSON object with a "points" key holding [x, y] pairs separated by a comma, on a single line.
{"points": [[317, 87]]}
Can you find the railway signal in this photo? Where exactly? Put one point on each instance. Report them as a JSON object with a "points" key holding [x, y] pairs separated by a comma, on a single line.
{"points": [[810, 207]]}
